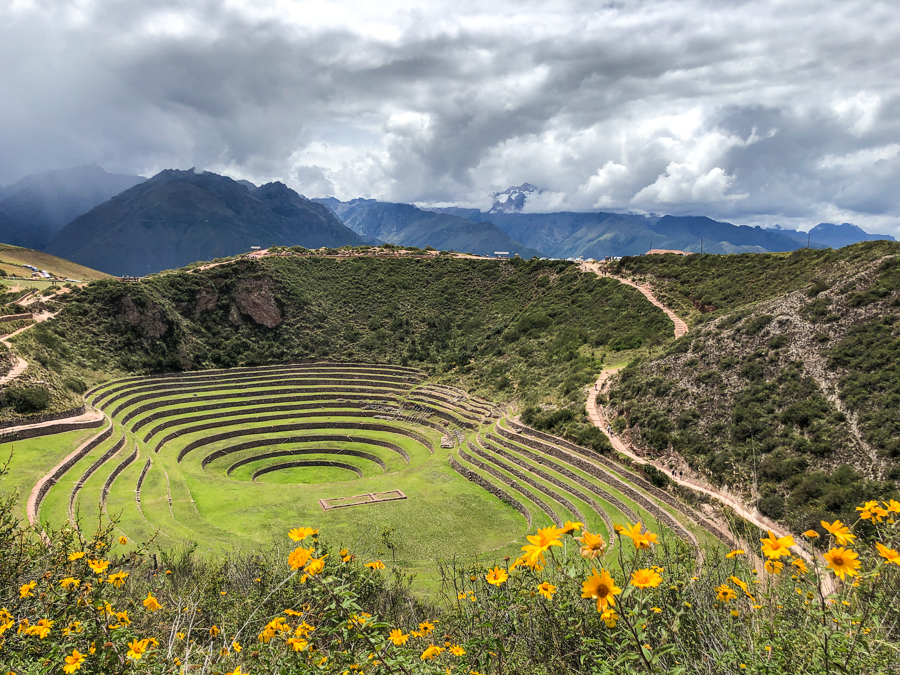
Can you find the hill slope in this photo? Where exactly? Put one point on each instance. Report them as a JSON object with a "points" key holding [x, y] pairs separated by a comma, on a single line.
{"points": [[12, 259], [178, 217], [407, 225], [38, 206], [791, 386]]}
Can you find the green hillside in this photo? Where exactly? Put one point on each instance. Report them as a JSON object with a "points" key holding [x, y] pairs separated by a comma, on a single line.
{"points": [[788, 390]]}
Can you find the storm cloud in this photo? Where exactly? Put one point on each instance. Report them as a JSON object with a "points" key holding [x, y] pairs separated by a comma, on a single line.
{"points": [[755, 112]]}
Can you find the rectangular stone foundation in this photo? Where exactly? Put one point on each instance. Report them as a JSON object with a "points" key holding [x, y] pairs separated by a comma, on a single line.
{"points": [[360, 500]]}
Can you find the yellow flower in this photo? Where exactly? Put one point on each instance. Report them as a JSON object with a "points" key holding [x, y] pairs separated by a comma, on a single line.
{"points": [[496, 576], [871, 511], [889, 554], [645, 579], [25, 589], [541, 542], [376, 565], [123, 540], [600, 587], [800, 565], [398, 638], [811, 534], [315, 566], [301, 533], [843, 562], [456, 650], [547, 589], [725, 593], [117, 579], [592, 545], [76, 556], [214, 631], [773, 566], [893, 506], [69, 581], [736, 552], [775, 547], [99, 566], [426, 627], [571, 527], [136, 649], [655, 610], [299, 557], [841, 533], [297, 644], [41, 629], [609, 617], [237, 671], [151, 603], [633, 532], [462, 595], [431, 652], [73, 662]]}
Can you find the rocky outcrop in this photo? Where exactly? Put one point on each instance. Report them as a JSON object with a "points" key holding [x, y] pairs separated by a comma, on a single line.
{"points": [[256, 298]]}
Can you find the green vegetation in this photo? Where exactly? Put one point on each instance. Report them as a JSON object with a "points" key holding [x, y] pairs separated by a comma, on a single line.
{"points": [[697, 284]]}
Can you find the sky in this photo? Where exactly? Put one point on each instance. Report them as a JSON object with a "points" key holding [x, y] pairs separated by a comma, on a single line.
{"points": [[757, 112]]}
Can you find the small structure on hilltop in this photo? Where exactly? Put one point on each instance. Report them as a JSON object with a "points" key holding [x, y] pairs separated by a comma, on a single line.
{"points": [[503, 255]]}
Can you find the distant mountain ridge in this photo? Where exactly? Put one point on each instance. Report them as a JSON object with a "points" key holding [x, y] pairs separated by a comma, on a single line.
{"points": [[569, 234], [35, 208], [179, 217], [405, 224]]}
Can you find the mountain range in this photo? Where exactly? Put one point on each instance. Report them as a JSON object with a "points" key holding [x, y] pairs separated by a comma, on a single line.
{"points": [[407, 225], [123, 224], [599, 234], [179, 217]]}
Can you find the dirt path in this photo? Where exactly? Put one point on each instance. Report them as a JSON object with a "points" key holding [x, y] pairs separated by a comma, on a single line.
{"points": [[87, 416], [20, 364], [689, 479]]}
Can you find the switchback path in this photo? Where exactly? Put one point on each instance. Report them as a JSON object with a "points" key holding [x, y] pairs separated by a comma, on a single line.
{"points": [[20, 364], [690, 480]]}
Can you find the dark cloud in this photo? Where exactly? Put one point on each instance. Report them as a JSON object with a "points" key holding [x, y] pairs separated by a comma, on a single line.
{"points": [[759, 111]]}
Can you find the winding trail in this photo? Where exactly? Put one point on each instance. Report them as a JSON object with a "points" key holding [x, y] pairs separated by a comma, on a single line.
{"points": [[687, 477], [21, 364]]}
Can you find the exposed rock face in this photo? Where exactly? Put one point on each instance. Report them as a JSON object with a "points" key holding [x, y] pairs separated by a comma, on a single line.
{"points": [[206, 300], [149, 319], [256, 298]]}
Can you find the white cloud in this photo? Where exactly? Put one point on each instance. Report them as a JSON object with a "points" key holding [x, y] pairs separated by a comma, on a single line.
{"points": [[759, 111]]}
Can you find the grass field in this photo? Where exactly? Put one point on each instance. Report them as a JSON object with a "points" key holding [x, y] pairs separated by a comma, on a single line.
{"points": [[226, 459]]}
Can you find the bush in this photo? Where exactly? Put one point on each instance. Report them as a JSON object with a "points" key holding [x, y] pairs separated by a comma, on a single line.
{"points": [[26, 400]]}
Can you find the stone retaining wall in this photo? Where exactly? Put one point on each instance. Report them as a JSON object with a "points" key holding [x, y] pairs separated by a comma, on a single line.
{"points": [[308, 451], [425, 392], [525, 492], [114, 474], [105, 457], [303, 463], [303, 426], [454, 409], [312, 438], [157, 403], [140, 480], [63, 468], [50, 430], [610, 479], [139, 394], [37, 419], [558, 498], [645, 485], [309, 391], [541, 459], [317, 366], [299, 425], [500, 494], [497, 447]]}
